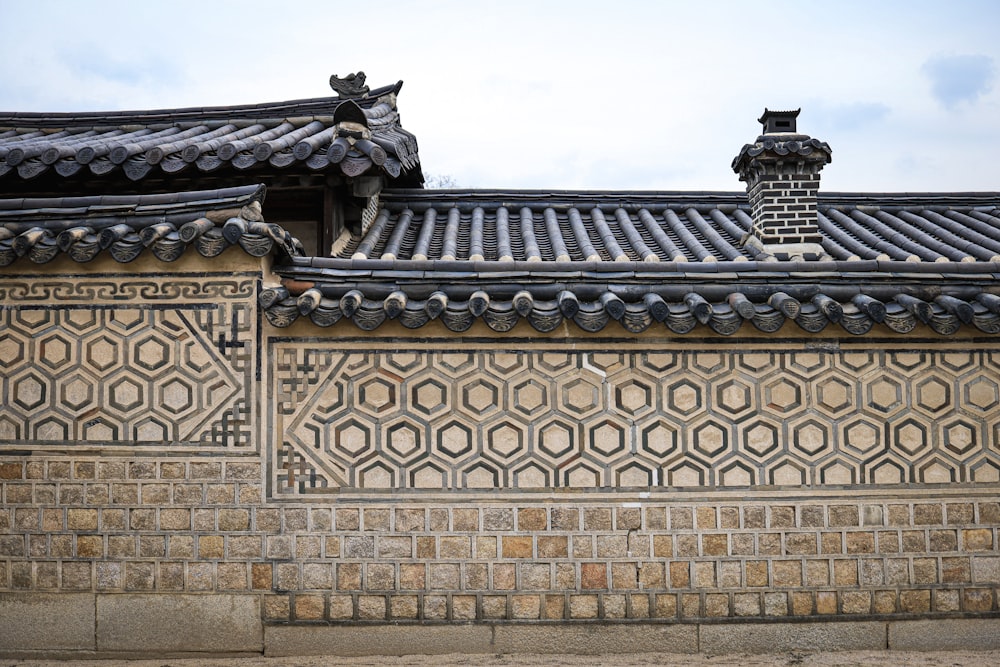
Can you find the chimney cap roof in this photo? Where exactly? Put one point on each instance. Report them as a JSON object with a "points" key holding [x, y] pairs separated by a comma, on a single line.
{"points": [[778, 121]]}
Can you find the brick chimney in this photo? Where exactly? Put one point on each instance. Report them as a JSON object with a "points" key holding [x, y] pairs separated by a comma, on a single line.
{"points": [[781, 170]]}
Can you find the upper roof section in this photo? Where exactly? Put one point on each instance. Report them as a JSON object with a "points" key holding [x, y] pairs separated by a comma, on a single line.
{"points": [[355, 133], [537, 226]]}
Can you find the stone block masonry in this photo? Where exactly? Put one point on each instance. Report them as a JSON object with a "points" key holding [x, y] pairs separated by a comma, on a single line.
{"points": [[91, 526]]}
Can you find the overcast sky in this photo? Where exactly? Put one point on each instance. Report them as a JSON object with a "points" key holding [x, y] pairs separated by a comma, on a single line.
{"points": [[616, 94]]}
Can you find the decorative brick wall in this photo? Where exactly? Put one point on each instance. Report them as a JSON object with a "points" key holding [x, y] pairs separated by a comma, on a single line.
{"points": [[159, 439], [467, 416]]}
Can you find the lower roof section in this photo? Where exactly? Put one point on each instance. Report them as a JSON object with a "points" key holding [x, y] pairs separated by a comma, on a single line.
{"points": [[725, 306], [124, 226], [547, 226]]}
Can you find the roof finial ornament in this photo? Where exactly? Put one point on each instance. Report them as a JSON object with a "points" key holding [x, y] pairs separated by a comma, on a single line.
{"points": [[351, 86]]}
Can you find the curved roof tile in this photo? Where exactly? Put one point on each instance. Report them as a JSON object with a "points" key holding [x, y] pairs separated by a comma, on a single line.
{"points": [[665, 227], [39, 229], [142, 143], [646, 260]]}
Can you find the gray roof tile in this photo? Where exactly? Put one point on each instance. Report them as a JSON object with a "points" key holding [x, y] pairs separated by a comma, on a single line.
{"points": [[143, 143]]}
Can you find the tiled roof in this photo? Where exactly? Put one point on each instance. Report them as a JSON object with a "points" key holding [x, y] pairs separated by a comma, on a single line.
{"points": [[125, 226], [684, 227], [299, 133], [653, 259], [641, 260]]}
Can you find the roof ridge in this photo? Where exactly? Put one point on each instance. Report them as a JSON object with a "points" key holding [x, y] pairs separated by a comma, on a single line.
{"points": [[288, 108]]}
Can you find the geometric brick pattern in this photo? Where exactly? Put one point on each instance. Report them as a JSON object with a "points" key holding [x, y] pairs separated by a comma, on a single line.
{"points": [[119, 374], [474, 418]]}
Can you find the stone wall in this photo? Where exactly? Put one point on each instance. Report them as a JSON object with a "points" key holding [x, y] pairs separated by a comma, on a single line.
{"points": [[165, 452]]}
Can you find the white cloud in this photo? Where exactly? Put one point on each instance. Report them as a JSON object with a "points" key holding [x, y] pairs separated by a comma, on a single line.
{"points": [[958, 79], [544, 94]]}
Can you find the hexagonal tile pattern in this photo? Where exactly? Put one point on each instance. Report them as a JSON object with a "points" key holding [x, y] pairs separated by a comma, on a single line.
{"points": [[759, 438], [105, 361], [784, 394], [505, 439], [474, 418]]}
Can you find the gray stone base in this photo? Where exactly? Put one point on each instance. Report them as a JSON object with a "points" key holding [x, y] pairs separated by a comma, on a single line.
{"points": [[126, 625], [88, 625], [783, 637], [49, 622], [946, 634], [162, 623]]}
